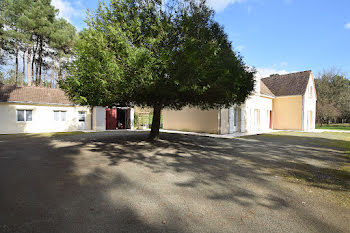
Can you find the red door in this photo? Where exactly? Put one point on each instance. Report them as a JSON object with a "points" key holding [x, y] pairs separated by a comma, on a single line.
{"points": [[270, 119], [111, 118]]}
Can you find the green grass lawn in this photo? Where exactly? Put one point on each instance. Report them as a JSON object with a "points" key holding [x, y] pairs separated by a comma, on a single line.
{"points": [[334, 126]]}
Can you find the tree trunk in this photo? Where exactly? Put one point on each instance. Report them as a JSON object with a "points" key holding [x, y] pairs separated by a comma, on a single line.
{"points": [[39, 63], [59, 73], [157, 109], [40, 60], [16, 64], [35, 48], [29, 76], [36, 71], [52, 79], [24, 66], [33, 61]]}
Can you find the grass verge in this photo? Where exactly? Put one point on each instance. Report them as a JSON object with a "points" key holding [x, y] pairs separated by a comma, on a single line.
{"points": [[334, 126], [37, 135]]}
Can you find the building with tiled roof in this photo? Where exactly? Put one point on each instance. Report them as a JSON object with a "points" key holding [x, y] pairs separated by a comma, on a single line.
{"points": [[31, 109], [283, 102], [33, 95]]}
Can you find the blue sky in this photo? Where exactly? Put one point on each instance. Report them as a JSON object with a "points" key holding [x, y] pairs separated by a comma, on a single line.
{"points": [[275, 36]]}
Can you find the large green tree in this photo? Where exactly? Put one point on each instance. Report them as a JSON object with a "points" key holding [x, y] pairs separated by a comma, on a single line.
{"points": [[158, 55]]}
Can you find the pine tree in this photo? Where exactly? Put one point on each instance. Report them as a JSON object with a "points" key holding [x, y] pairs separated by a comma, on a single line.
{"points": [[27, 28], [62, 41], [13, 10]]}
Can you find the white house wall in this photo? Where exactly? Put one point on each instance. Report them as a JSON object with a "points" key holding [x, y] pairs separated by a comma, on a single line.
{"points": [[309, 104], [99, 118], [264, 105], [42, 118], [224, 121]]}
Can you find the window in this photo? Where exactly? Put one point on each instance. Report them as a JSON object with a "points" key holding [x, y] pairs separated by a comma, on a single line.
{"points": [[63, 116], [24, 115], [20, 115], [56, 115], [60, 115], [81, 116], [257, 119], [28, 115]]}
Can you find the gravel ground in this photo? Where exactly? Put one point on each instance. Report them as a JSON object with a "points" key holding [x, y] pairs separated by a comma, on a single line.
{"points": [[119, 182]]}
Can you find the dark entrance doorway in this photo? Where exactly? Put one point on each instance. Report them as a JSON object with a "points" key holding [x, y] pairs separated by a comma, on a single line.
{"points": [[121, 118], [111, 118]]}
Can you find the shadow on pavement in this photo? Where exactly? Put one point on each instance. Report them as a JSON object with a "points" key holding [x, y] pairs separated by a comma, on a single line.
{"points": [[124, 183]]}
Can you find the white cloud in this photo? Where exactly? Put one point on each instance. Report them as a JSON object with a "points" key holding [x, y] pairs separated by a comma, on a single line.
{"points": [[347, 26], [266, 72], [220, 5], [66, 9]]}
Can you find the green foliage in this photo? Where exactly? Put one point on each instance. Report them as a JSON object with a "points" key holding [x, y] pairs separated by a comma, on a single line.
{"points": [[136, 119], [62, 37], [333, 97], [151, 54], [2, 35], [32, 27]]}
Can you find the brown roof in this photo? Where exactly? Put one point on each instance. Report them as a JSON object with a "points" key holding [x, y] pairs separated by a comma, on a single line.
{"points": [[264, 90], [288, 84], [37, 95]]}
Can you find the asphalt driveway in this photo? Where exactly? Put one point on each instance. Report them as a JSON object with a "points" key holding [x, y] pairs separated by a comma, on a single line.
{"points": [[118, 182]]}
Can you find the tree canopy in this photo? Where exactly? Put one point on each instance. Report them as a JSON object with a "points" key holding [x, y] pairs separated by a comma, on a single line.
{"points": [[31, 30], [160, 55], [333, 97]]}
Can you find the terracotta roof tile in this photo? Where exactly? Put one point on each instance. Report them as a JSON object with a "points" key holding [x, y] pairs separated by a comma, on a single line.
{"points": [[38, 95], [288, 84]]}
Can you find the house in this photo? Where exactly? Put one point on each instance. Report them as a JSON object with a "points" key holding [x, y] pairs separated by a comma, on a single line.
{"points": [[284, 102], [38, 109]]}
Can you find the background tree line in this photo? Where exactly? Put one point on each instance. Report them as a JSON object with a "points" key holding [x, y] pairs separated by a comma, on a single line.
{"points": [[333, 97], [35, 45]]}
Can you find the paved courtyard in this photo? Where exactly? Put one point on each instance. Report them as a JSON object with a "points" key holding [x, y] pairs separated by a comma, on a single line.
{"points": [[120, 182]]}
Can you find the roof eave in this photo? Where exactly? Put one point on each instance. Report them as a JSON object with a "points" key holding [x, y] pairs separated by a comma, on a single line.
{"points": [[37, 103], [268, 96]]}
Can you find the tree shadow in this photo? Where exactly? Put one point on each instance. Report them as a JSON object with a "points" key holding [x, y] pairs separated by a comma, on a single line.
{"points": [[312, 158], [316, 160], [120, 182], [42, 191]]}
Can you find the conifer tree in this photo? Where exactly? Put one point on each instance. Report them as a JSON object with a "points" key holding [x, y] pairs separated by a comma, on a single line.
{"points": [[162, 56]]}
